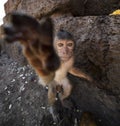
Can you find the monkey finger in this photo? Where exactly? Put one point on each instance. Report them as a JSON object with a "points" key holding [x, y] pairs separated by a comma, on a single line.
{"points": [[8, 29], [13, 38], [11, 34]]}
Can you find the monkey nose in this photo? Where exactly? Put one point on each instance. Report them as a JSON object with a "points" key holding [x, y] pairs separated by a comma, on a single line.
{"points": [[65, 51]]}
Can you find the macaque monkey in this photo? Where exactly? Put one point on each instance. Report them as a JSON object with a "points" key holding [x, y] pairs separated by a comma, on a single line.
{"points": [[52, 60], [64, 45]]}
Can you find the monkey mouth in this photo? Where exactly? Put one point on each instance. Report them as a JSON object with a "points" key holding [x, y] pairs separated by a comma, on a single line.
{"points": [[65, 58]]}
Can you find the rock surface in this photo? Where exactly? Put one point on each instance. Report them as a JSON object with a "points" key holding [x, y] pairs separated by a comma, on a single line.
{"points": [[38, 8], [20, 95], [24, 102]]}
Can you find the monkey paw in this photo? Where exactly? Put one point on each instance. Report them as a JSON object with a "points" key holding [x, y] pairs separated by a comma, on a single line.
{"points": [[24, 27], [37, 40]]}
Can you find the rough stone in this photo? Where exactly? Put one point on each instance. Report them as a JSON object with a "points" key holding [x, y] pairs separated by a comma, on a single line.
{"points": [[97, 54], [39, 8]]}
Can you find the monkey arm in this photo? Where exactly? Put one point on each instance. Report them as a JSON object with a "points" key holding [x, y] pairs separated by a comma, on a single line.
{"points": [[77, 72], [37, 41]]}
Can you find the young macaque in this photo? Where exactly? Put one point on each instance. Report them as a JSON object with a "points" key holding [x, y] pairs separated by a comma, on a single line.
{"points": [[64, 45]]}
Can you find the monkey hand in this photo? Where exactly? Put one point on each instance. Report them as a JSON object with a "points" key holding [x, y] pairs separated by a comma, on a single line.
{"points": [[37, 40]]}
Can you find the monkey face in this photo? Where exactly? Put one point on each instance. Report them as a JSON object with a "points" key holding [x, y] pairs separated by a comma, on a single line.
{"points": [[65, 49]]}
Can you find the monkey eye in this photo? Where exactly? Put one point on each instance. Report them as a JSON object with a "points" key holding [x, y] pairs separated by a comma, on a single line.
{"points": [[60, 44], [70, 44]]}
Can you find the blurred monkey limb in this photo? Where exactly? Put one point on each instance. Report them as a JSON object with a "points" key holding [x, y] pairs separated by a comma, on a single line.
{"points": [[37, 41]]}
